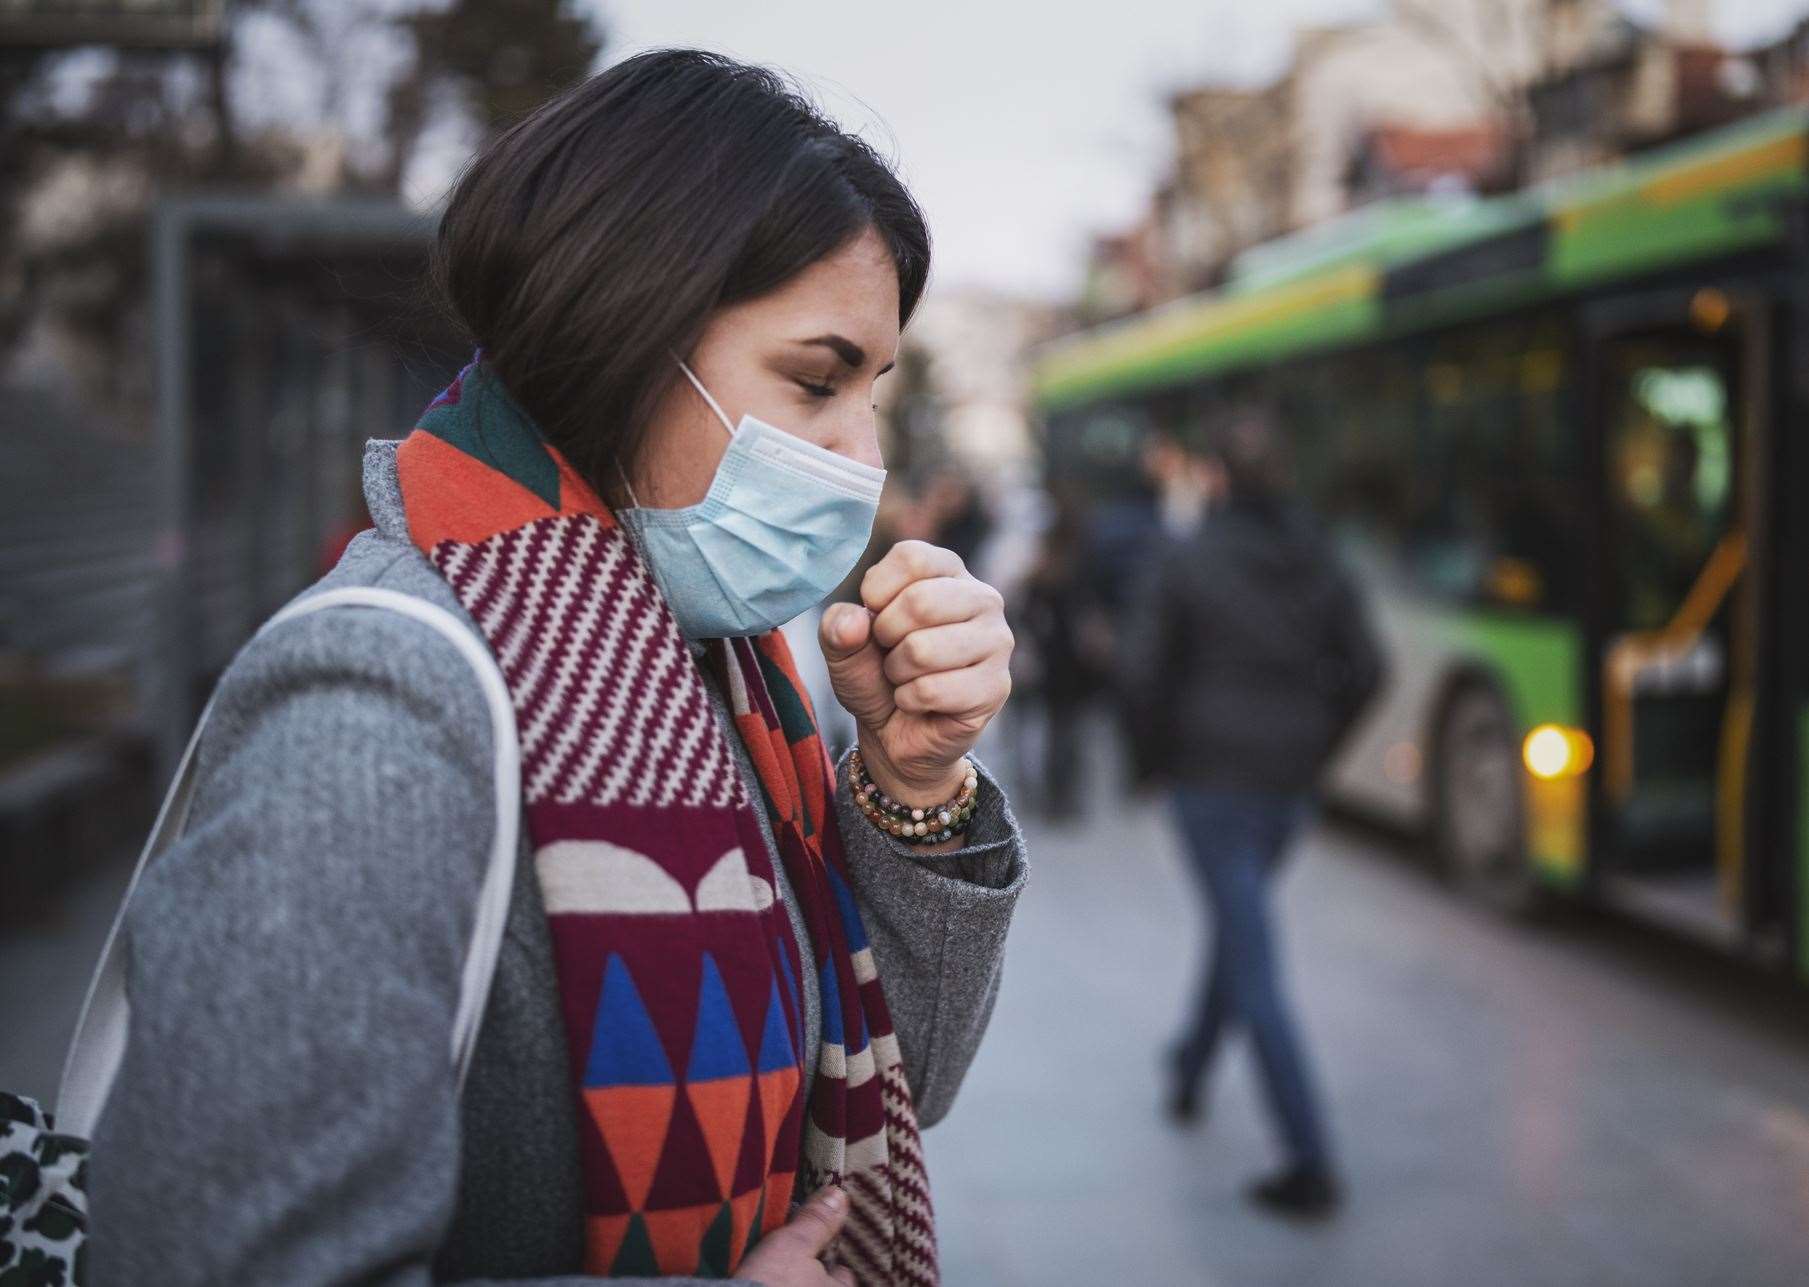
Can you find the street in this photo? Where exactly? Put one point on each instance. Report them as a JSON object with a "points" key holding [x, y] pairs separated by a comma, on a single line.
{"points": [[1403, 395], [1511, 1104]]}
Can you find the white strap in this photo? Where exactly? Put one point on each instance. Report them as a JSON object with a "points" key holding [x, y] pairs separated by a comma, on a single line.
{"points": [[100, 1036], [699, 386]]}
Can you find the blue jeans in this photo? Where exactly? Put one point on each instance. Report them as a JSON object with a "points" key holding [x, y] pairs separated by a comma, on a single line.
{"points": [[1237, 841]]}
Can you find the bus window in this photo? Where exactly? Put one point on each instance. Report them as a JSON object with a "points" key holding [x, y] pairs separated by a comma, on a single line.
{"points": [[1670, 466], [1498, 448], [1677, 557], [1351, 419]]}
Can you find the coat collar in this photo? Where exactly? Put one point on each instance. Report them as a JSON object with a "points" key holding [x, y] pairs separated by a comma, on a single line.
{"points": [[382, 490]]}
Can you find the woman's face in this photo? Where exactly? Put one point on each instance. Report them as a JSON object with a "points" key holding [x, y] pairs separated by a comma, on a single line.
{"points": [[803, 358]]}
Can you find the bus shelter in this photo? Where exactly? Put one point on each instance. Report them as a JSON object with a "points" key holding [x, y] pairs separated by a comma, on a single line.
{"points": [[286, 333]]}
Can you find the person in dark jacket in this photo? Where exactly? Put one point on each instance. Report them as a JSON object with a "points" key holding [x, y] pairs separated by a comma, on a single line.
{"points": [[1065, 651], [1248, 663]]}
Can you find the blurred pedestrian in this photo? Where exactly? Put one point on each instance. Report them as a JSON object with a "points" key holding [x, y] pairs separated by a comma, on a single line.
{"points": [[1248, 660], [1064, 653], [730, 992], [957, 512], [1184, 481]]}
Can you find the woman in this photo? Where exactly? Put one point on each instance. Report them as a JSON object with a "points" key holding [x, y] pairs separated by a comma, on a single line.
{"points": [[1251, 661], [726, 981]]}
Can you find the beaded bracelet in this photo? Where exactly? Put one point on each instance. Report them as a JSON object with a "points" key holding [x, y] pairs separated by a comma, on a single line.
{"points": [[914, 826]]}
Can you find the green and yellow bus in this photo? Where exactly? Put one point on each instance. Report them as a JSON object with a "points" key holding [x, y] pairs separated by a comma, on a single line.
{"points": [[1563, 434]]}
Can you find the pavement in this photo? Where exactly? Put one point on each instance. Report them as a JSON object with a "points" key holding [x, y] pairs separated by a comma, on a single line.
{"points": [[1558, 1104], [1573, 1103]]}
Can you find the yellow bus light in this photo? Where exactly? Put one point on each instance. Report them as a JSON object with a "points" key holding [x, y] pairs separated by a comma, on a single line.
{"points": [[1553, 751]]}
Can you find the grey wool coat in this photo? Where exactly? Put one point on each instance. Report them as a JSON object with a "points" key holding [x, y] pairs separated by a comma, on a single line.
{"points": [[286, 1111]]}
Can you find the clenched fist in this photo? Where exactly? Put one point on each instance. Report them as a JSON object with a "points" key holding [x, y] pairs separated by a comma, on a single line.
{"points": [[923, 667]]}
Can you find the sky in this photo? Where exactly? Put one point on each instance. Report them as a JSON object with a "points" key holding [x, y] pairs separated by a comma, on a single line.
{"points": [[1022, 126]]}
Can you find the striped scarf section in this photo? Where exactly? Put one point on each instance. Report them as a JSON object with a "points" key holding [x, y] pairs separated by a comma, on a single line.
{"points": [[678, 970]]}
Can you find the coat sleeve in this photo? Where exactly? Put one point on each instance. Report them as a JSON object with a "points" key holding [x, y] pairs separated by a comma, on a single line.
{"points": [[1356, 660], [1150, 643], [937, 925], [286, 1109]]}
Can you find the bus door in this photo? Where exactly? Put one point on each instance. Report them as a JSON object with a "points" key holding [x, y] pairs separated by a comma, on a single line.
{"points": [[1679, 430]]}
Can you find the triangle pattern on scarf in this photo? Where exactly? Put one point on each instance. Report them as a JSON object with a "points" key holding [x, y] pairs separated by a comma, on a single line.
{"points": [[721, 1107], [743, 1229], [777, 1091], [716, 1048], [686, 1174], [775, 1038], [603, 1237], [636, 1258], [754, 1158], [719, 1081], [719, 1243], [780, 1186], [634, 1122], [625, 1048], [677, 1234]]}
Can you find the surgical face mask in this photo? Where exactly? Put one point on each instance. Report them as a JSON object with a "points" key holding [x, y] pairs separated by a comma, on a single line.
{"points": [[784, 521]]}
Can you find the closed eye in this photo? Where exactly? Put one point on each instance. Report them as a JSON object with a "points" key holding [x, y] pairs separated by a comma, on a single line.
{"points": [[817, 390]]}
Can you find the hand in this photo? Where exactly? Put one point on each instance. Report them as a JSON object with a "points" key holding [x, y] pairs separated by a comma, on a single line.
{"points": [[923, 667], [792, 1256]]}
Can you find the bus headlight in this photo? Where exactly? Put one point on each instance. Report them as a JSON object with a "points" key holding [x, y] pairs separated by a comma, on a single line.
{"points": [[1553, 751]]}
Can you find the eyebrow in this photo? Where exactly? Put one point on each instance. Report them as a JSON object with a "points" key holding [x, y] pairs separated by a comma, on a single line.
{"points": [[852, 354]]}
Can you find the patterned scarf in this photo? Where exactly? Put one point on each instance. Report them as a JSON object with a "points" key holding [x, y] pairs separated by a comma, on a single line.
{"points": [[677, 966]]}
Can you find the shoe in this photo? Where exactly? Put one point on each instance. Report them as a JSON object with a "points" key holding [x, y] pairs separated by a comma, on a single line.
{"points": [[1303, 1192], [1183, 1103]]}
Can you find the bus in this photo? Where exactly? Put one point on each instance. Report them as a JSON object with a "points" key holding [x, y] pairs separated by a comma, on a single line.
{"points": [[1558, 433]]}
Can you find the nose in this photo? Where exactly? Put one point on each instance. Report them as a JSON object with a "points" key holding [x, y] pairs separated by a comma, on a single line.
{"points": [[859, 440]]}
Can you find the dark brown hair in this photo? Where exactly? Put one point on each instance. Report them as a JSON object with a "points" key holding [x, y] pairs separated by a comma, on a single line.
{"points": [[1249, 446], [594, 238]]}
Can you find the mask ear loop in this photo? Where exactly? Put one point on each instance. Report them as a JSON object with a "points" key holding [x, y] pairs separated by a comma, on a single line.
{"points": [[714, 406], [633, 538], [633, 500], [698, 385]]}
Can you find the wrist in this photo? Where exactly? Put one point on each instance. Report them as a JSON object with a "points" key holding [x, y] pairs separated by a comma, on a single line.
{"points": [[936, 822], [920, 789]]}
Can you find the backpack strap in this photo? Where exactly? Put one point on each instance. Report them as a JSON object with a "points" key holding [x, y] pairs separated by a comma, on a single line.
{"points": [[100, 1035]]}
